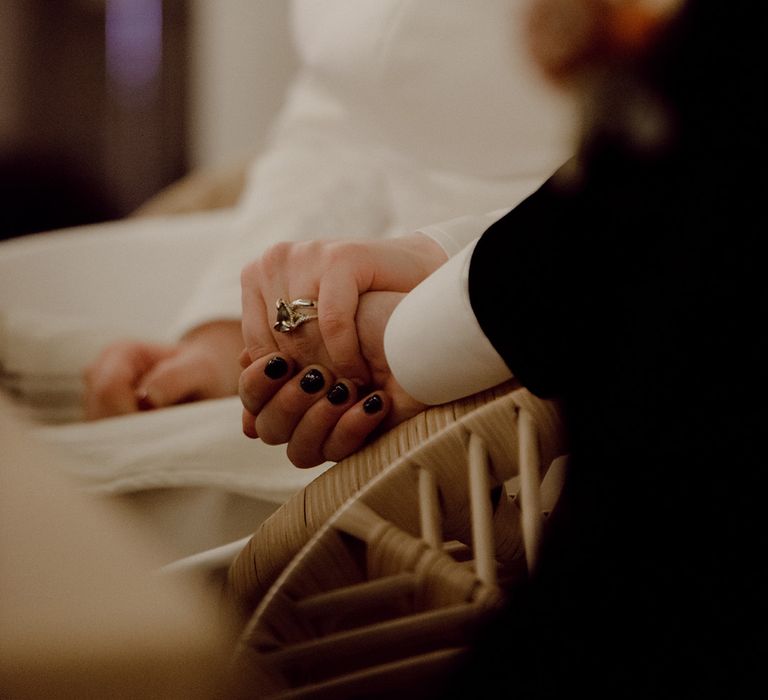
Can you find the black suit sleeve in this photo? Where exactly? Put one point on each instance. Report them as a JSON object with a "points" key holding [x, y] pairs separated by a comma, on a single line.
{"points": [[518, 279]]}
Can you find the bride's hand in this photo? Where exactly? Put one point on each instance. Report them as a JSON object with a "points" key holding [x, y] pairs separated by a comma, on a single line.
{"points": [[322, 417], [334, 273]]}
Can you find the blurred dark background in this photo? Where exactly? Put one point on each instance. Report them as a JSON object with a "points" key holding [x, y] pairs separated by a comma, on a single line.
{"points": [[92, 113], [104, 103]]}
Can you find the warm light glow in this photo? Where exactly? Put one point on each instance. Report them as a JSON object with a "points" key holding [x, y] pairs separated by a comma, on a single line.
{"points": [[134, 49]]}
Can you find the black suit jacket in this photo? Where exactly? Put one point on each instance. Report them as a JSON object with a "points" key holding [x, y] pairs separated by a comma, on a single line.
{"points": [[635, 291]]}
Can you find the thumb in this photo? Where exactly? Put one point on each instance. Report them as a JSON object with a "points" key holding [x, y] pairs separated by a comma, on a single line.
{"points": [[173, 380]]}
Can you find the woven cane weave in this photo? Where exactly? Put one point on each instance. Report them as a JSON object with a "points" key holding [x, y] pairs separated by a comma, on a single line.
{"points": [[391, 559]]}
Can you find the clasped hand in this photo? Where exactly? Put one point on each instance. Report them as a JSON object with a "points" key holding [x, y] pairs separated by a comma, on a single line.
{"points": [[325, 387]]}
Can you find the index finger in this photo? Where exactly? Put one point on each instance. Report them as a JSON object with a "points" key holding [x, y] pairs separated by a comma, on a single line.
{"points": [[337, 306], [257, 331]]}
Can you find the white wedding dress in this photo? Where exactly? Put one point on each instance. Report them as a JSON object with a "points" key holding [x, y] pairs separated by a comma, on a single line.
{"points": [[402, 114]]}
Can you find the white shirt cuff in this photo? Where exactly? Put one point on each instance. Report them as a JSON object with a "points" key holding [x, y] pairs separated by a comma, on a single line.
{"points": [[434, 345], [454, 234]]}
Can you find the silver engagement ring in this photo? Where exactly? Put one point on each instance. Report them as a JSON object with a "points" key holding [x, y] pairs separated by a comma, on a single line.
{"points": [[290, 315]]}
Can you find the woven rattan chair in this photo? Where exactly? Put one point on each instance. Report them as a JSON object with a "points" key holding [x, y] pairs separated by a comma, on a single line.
{"points": [[371, 581]]}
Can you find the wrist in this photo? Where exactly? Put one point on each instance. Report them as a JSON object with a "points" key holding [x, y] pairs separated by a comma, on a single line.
{"points": [[218, 333], [217, 345]]}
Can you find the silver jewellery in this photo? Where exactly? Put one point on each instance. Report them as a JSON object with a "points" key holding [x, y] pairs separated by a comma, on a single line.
{"points": [[289, 318]]}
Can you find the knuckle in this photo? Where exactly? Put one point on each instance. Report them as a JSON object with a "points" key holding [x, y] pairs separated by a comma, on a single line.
{"points": [[276, 254], [313, 248], [338, 252], [302, 249], [251, 274], [249, 396], [343, 251], [255, 270], [268, 433], [248, 272]]}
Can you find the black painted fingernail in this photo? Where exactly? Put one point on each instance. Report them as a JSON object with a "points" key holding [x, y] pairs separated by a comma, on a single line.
{"points": [[338, 394], [373, 404], [312, 381], [276, 367]]}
